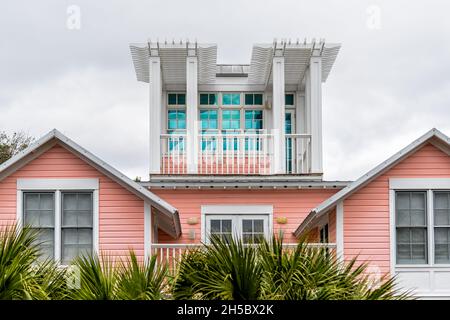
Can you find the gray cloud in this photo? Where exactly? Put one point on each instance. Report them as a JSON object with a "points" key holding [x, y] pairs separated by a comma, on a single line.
{"points": [[388, 86]]}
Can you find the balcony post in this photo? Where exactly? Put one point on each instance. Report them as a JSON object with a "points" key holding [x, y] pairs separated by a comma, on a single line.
{"points": [[278, 115], [192, 112], [314, 101], [155, 84]]}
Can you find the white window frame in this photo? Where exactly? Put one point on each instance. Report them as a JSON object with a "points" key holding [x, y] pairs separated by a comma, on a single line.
{"points": [[236, 213], [58, 186], [428, 185]]}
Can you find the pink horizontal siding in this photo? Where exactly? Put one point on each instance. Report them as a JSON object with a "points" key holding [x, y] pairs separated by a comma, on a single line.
{"points": [[366, 212], [292, 204], [121, 213]]}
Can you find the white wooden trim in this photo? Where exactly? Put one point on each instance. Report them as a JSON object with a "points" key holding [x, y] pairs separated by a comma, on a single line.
{"points": [[96, 222], [19, 208], [57, 233], [147, 231], [340, 230], [419, 183], [392, 246], [57, 184], [237, 209]]}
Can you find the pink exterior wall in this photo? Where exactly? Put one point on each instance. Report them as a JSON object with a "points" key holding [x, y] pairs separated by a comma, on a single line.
{"points": [[366, 212], [121, 213], [292, 204]]}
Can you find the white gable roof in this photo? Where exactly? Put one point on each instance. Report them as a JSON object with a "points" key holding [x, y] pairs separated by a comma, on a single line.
{"points": [[167, 215], [433, 136]]}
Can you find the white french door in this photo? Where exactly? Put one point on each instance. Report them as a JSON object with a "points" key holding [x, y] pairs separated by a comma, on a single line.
{"points": [[251, 228]]}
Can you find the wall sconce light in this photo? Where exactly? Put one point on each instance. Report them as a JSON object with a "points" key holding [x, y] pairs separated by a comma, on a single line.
{"points": [[191, 234], [281, 220], [192, 221]]}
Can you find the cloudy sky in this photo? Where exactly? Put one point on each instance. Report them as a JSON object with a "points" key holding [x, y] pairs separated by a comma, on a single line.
{"points": [[390, 83]]}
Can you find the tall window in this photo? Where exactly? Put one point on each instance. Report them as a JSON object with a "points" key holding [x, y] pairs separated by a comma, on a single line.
{"points": [[411, 225], [231, 124], [209, 124], [77, 225], [39, 214], [442, 226], [253, 124], [176, 123]]}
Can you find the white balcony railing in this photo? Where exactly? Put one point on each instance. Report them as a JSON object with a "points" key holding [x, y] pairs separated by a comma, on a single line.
{"points": [[172, 253], [235, 153]]}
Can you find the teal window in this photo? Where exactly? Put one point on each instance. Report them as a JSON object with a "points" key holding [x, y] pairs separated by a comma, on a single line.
{"points": [[253, 124], [176, 122], [253, 119], [231, 99], [209, 121], [208, 99], [253, 99], [289, 142], [176, 99], [231, 123], [289, 99]]}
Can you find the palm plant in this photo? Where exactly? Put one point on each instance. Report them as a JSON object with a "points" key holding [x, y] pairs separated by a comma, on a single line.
{"points": [[233, 270], [102, 278], [225, 270], [23, 275]]}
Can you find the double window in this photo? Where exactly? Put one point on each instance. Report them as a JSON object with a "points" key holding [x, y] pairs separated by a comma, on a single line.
{"points": [[422, 217], [65, 229], [248, 228]]}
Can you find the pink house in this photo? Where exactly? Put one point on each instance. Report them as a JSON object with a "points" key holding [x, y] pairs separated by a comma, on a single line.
{"points": [[236, 150]]}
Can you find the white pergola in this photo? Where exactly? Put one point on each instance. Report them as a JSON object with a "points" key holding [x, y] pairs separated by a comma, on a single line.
{"points": [[274, 67]]}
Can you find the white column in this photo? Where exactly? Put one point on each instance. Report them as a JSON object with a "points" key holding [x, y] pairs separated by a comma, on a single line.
{"points": [[155, 114], [340, 231], [191, 114], [278, 106], [314, 95]]}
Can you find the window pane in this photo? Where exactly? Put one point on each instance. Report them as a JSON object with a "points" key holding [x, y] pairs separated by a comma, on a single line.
{"points": [[247, 225], [258, 99], [289, 99], [442, 245], [402, 200], [441, 208], [236, 99], [249, 99], [258, 225], [39, 214], [172, 98], [215, 226], [212, 99], [181, 99], [418, 200], [418, 218], [77, 222], [204, 99], [226, 99], [226, 225]]}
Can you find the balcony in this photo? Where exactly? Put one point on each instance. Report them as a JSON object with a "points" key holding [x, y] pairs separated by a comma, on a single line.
{"points": [[235, 154]]}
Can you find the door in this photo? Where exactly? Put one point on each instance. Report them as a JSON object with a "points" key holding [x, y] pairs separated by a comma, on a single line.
{"points": [[289, 123]]}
